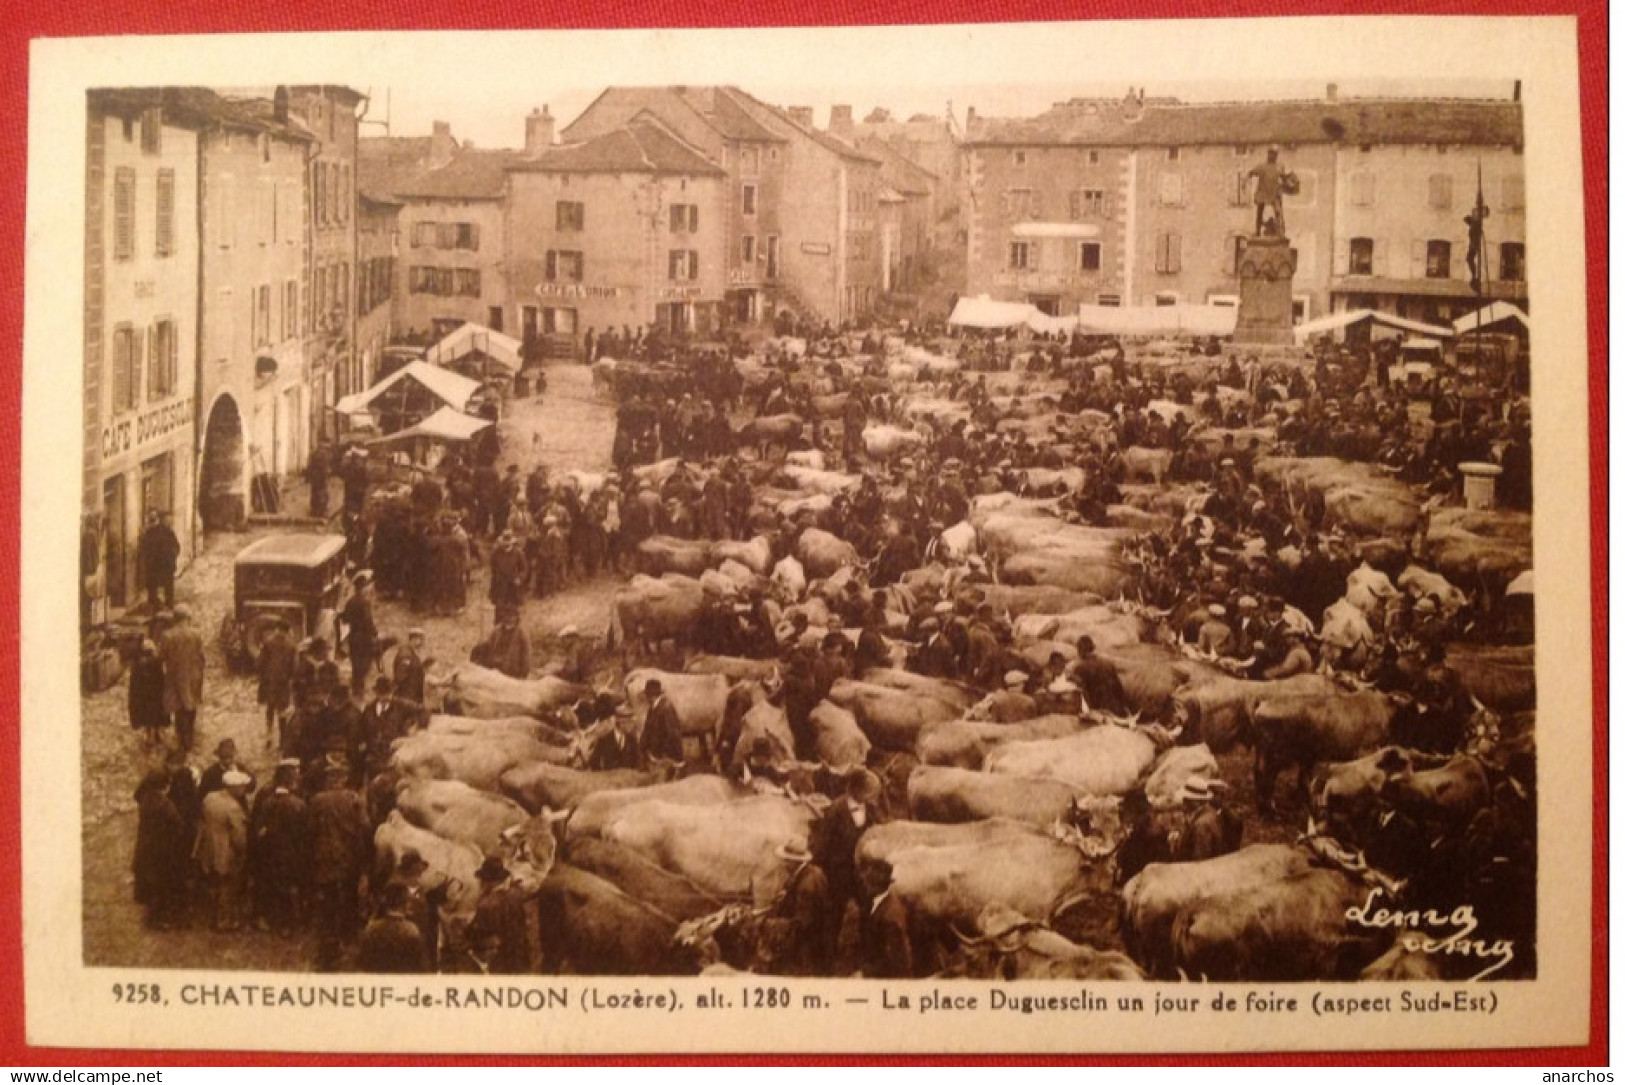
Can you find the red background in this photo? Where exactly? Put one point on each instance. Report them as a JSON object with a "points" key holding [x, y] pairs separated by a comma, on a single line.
{"points": [[26, 21]]}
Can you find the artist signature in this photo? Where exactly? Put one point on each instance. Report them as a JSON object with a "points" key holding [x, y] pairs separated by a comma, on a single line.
{"points": [[1430, 931]]}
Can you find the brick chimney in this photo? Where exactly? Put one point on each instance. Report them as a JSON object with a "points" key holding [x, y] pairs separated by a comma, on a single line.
{"points": [[441, 146], [538, 132], [1331, 92], [802, 115], [840, 123]]}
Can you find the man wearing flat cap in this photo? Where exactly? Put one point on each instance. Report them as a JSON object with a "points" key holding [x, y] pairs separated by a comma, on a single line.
{"points": [[223, 848], [410, 667], [1098, 679]]}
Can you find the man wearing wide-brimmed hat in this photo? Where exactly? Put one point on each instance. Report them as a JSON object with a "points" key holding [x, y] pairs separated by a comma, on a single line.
{"points": [[802, 935]]}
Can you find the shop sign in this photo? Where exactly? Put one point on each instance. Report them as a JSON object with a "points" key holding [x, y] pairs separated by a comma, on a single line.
{"points": [[125, 434], [816, 248], [680, 293], [576, 290]]}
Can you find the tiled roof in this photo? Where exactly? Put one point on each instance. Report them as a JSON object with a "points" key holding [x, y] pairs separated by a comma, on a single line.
{"points": [[198, 108], [727, 115], [756, 107], [400, 169], [1164, 122], [618, 105], [641, 146], [678, 107], [908, 178]]}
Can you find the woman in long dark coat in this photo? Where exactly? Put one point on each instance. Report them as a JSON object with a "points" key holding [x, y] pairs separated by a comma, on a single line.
{"points": [[147, 713], [163, 848]]}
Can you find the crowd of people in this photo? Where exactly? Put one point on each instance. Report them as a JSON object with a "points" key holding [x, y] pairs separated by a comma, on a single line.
{"points": [[1235, 580]]}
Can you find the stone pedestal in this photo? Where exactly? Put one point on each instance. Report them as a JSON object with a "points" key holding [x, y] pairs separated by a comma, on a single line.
{"points": [[1265, 316]]}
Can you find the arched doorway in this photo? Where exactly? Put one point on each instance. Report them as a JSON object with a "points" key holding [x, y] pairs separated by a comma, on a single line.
{"points": [[222, 501]]}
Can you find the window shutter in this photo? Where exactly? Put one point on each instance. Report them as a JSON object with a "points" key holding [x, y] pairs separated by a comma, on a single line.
{"points": [[166, 212], [1379, 257], [693, 218], [1512, 193], [676, 218], [1340, 256], [137, 341], [552, 271], [693, 264], [121, 367], [124, 214]]}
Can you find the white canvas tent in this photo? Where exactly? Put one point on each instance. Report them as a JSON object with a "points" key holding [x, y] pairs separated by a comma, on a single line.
{"points": [[1159, 320], [1338, 321], [984, 312], [408, 396], [1493, 313], [471, 339], [1044, 324], [446, 424]]}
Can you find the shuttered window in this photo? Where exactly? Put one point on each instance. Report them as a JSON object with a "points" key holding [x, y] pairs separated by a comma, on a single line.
{"points": [[1438, 259], [564, 264], [124, 214], [1168, 252], [165, 203], [685, 218], [1439, 191], [126, 363], [1512, 193], [570, 216], [1512, 265], [161, 361], [1362, 250]]}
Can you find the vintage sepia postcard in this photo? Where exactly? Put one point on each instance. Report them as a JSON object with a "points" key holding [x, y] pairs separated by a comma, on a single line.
{"points": [[923, 539]]}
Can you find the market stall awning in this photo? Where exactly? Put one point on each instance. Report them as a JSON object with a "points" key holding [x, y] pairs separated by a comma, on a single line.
{"points": [[984, 312], [445, 424], [1493, 313], [1074, 230], [477, 339], [1337, 321], [450, 388], [1195, 320], [1044, 324]]}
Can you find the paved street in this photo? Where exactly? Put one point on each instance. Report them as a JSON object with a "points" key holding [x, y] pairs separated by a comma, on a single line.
{"points": [[569, 428]]}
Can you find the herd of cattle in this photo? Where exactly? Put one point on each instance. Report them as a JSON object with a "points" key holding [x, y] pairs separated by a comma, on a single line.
{"points": [[995, 842]]}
